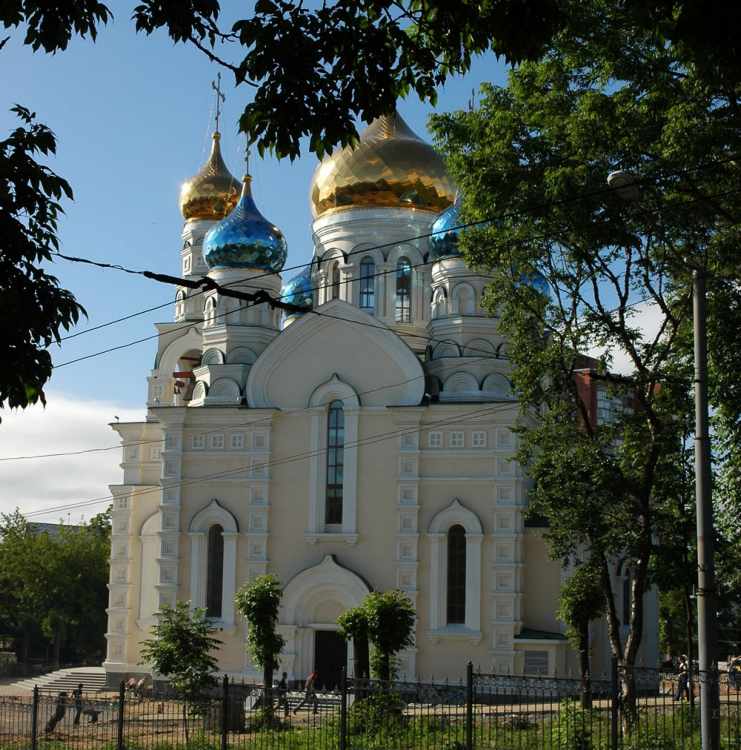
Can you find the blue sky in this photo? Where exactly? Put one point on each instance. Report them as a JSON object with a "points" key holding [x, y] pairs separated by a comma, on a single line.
{"points": [[133, 115]]}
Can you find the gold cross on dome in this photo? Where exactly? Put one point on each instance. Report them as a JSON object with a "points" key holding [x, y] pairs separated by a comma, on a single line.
{"points": [[216, 86]]}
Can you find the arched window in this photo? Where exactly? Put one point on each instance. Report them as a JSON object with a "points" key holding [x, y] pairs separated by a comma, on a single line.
{"points": [[403, 291], [456, 575], [215, 570], [335, 288], [209, 314], [335, 460], [368, 285], [179, 304]]}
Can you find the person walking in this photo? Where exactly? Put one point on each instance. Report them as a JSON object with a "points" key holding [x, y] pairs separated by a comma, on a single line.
{"points": [[77, 695], [309, 693], [683, 679], [60, 708], [282, 691]]}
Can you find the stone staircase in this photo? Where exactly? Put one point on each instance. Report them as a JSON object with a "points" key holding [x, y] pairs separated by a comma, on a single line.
{"points": [[92, 679]]}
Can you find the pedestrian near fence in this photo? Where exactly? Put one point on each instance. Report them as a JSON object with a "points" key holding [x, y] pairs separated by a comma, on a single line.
{"points": [[683, 679], [309, 693]]}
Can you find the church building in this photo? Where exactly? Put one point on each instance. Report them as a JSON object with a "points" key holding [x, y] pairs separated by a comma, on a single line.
{"points": [[361, 443]]}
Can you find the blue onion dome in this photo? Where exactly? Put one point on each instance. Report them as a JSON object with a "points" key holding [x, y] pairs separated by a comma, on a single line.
{"points": [[444, 239], [538, 282], [245, 238], [299, 290]]}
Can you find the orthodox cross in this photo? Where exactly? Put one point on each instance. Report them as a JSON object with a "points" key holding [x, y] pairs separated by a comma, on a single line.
{"points": [[247, 151], [216, 86]]}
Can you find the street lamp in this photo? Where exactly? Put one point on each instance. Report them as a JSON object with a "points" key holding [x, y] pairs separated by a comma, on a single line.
{"points": [[626, 186]]}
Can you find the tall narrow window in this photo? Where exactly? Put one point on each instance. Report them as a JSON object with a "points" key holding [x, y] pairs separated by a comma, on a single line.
{"points": [[335, 458], [335, 288], [215, 570], [403, 291], [456, 575], [368, 285]]}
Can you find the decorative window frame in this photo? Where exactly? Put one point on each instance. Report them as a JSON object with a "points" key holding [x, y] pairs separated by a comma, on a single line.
{"points": [[479, 439], [214, 513], [435, 440], [437, 534], [333, 389], [457, 439]]}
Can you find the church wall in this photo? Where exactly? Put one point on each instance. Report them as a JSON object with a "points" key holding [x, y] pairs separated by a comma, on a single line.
{"points": [[542, 583]]}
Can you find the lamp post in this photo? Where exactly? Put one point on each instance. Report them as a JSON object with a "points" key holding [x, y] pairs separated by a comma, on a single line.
{"points": [[626, 187]]}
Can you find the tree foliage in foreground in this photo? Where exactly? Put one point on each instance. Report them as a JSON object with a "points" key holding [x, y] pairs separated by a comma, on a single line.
{"points": [[53, 587], [316, 68], [391, 617], [30, 298], [581, 601], [259, 603], [180, 649], [533, 161]]}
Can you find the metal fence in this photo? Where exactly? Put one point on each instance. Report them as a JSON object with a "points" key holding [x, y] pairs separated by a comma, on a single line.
{"points": [[485, 711]]}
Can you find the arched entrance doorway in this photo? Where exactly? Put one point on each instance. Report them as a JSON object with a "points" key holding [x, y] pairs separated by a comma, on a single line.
{"points": [[312, 601]]}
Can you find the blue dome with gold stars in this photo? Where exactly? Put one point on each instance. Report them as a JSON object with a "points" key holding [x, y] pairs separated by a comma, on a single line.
{"points": [[444, 239], [245, 238], [299, 290]]}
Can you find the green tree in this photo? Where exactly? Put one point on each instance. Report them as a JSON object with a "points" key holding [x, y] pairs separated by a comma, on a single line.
{"points": [[354, 627], [30, 206], [258, 602], [315, 69], [532, 161], [54, 586], [181, 649], [581, 601], [390, 618]]}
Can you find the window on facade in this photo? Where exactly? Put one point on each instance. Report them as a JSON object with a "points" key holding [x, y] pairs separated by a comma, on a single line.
{"points": [[180, 304], [536, 663], [367, 285], [335, 287], [456, 439], [478, 439], [210, 312], [435, 440], [335, 459], [214, 570], [403, 291], [456, 575]]}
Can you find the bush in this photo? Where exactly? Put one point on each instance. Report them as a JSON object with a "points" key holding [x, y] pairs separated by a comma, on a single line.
{"points": [[572, 727], [378, 713]]}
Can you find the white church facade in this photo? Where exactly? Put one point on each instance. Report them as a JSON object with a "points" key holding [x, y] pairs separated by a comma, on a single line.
{"points": [[365, 444]]}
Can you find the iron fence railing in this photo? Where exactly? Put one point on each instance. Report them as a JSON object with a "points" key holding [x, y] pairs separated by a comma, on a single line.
{"points": [[482, 712]]}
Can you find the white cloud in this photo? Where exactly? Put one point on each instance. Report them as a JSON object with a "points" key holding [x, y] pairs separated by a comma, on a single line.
{"points": [[647, 318], [66, 424]]}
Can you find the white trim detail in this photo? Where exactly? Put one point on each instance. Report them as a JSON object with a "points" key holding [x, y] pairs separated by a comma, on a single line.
{"points": [[214, 513], [455, 514]]}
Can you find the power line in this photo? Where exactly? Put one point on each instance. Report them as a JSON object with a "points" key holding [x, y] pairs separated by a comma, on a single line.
{"points": [[370, 440], [532, 207]]}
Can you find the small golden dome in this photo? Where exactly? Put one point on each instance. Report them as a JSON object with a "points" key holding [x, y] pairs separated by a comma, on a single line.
{"points": [[213, 192], [391, 167]]}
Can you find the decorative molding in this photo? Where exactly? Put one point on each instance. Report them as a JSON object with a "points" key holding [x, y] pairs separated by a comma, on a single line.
{"points": [[330, 537]]}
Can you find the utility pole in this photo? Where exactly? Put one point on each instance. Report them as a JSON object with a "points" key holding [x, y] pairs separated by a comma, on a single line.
{"points": [[706, 593]]}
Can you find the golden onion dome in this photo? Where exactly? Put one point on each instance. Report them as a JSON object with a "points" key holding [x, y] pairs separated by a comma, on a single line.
{"points": [[213, 192], [391, 167]]}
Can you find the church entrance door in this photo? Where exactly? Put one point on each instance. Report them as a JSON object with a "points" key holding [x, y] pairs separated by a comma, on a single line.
{"points": [[330, 656]]}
